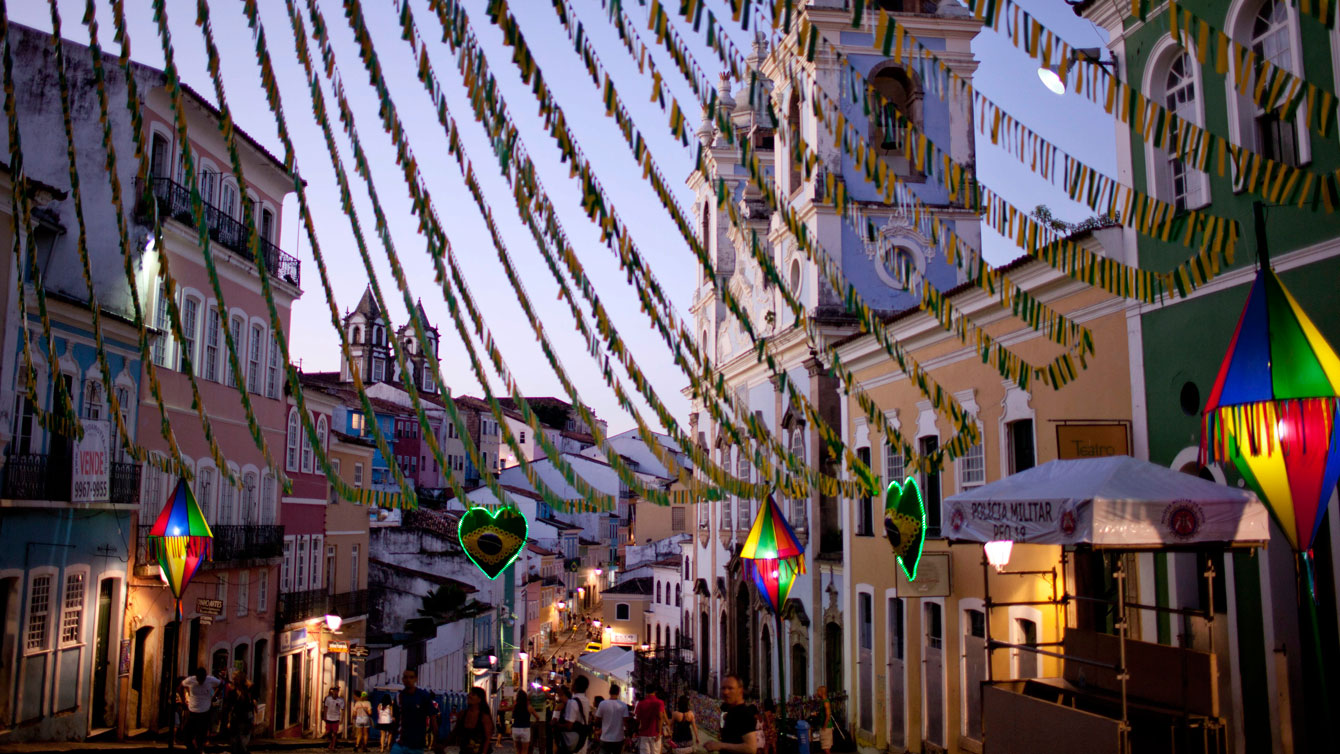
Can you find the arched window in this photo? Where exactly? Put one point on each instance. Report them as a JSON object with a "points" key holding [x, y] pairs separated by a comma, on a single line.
{"points": [[793, 139], [229, 202], [254, 352], [658, 592], [267, 499], [306, 453], [206, 484], [679, 595], [358, 335], [291, 458], [742, 516], [227, 497], [158, 157], [93, 400], [898, 103], [1179, 97], [1269, 28], [250, 512], [321, 432], [378, 336], [1172, 78]]}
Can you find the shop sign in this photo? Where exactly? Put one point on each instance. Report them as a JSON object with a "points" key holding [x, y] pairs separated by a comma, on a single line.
{"points": [[92, 466], [123, 668], [623, 638], [358, 650], [290, 640], [1092, 440], [338, 647], [209, 607]]}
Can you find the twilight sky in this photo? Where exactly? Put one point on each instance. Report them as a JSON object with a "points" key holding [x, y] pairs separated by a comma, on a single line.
{"points": [[1006, 75]]}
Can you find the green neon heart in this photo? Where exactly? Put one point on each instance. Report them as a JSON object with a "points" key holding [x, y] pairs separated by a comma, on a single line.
{"points": [[492, 539], [905, 524]]}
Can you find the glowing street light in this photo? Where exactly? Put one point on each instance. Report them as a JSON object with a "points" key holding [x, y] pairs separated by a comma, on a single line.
{"points": [[998, 553]]}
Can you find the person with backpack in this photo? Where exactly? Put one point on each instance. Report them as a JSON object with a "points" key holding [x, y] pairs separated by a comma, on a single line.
{"points": [[613, 716], [573, 724]]}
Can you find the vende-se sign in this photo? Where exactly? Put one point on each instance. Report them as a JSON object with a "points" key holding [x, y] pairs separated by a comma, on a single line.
{"points": [[92, 464]]}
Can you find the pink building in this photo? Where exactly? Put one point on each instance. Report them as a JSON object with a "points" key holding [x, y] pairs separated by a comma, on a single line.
{"points": [[229, 609]]}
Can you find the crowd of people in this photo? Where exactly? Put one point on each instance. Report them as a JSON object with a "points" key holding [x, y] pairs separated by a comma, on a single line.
{"points": [[214, 707]]}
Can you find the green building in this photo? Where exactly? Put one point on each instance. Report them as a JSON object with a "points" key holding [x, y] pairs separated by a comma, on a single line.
{"points": [[1271, 688]]}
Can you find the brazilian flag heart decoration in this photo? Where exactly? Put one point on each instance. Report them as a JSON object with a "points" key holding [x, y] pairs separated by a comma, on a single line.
{"points": [[905, 524], [492, 538]]}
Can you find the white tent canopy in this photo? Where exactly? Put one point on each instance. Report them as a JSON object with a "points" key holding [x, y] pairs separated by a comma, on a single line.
{"points": [[1116, 501], [613, 662]]}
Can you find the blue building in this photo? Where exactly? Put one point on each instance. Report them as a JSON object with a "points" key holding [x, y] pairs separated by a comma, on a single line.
{"points": [[66, 518]]}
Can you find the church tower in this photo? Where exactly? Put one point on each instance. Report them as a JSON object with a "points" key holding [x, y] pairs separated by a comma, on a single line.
{"points": [[366, 328]]}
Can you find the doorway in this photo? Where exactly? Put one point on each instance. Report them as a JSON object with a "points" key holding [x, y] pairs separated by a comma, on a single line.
{"points": [[168, 672], [743, 647], [9, 613], [705, 642], [137, 675], [933, 675], [765, 665], [833, 657], [897, 674], [99, 707]]}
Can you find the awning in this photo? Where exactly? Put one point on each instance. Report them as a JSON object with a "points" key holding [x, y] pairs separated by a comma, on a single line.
{"points": [[1116, 501], [613, 662]]}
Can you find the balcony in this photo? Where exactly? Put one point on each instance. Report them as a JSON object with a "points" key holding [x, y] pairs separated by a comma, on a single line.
{"points": [[42, 476], [295, 607], [232, 544], [174, 201]]}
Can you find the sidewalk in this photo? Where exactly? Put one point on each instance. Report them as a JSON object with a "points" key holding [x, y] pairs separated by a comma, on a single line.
{"points": [[134, 747]]}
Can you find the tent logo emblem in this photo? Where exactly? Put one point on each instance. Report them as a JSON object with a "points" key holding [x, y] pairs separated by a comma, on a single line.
{"points": [[1068, 521], [956, 519], [1183, 519]]}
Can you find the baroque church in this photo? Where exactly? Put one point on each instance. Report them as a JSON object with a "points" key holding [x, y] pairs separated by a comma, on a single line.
{"points": [[727, 619]]}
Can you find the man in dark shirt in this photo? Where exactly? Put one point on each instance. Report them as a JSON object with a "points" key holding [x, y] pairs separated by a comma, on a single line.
{"points": [[739, 721], [418, 715]]}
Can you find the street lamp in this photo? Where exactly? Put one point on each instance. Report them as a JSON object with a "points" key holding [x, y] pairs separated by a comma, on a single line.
{"points": [[1051, 76], [333, 622], [998, 553]]}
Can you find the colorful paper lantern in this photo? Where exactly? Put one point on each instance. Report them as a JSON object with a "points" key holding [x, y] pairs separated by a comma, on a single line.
{"points": [[1273, 410], [180, 540], [492, 539], [774, 556]]}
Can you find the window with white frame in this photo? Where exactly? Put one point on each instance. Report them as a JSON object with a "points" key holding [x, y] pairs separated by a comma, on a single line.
{"points": [[358, 423], [306, 453], [317, 549], [123, 403], [227, 497], [206, 483], [378, 370], [300, 565], [428, 385], [1181, 187], [210, 364], [272, 369], [93, 402], [286, 568], [353, 568], [358, 475], [250, 513], [254, 359], [895, 464], [37, 635], [743, 515], [291, 456], [321, 431], [162, 322], [267, 499], [72, 610], [235, 325], [262, 590], [972, 467], [190, 322]]}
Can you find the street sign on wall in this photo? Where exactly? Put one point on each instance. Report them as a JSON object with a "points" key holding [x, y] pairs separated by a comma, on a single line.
{"points": [[92, 464], [1092, 440], [209, 607]]}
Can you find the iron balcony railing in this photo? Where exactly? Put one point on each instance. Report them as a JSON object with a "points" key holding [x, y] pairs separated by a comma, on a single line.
{"points": [[174, 200], [232, 543], [42, 476], [314, 603]]}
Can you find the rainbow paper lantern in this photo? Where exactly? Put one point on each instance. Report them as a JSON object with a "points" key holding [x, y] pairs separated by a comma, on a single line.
{"points": [[180, 540], [774, 556], [1273, 410]]}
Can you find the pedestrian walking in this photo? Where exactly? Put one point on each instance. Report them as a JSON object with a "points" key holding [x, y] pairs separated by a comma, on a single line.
{"points": [[473, 731], [826, 722], [651, 722], [521, 723], [739, 721], [197, 691], [767, 726], [683, 727], [385, 722], [415, 717], [239, 706], [362, 720], [613, 716], [332, 712]]}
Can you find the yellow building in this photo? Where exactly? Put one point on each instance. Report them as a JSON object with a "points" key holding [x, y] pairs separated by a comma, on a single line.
{"points": [[915, 649]]}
